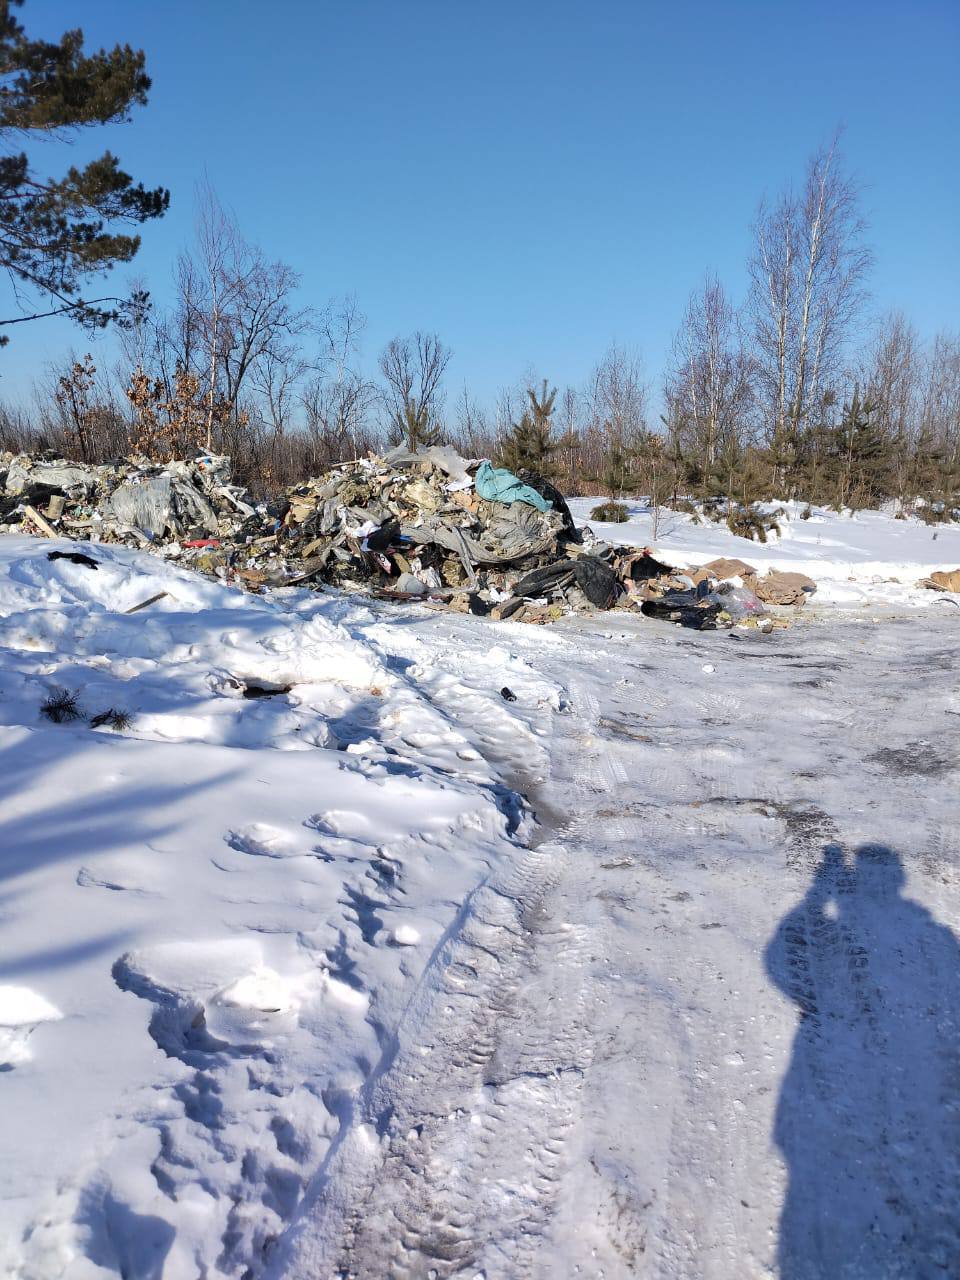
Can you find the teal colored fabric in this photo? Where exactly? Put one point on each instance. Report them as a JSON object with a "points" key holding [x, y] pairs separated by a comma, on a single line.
{"points": [[497, 484]]}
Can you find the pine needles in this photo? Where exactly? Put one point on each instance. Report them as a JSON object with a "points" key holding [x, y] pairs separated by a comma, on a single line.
{"points": [[62, 706], [113, 719]]}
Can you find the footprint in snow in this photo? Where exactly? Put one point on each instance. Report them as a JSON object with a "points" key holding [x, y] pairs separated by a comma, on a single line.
{"points": [[345, 823], [262, 841], [21, 1012]]}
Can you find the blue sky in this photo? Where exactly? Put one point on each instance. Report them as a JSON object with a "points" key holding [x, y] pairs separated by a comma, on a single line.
{"points": [[531, 180]]}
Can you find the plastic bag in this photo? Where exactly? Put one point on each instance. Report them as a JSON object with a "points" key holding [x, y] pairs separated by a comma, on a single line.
{"points": [[737, 602]]}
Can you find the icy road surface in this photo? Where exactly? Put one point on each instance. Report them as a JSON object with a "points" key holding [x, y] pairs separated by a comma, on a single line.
{"points": [[710, 1025], [293, 988]]}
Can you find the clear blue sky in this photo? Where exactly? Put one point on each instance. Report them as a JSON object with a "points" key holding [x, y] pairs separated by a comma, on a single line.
{"points": [[531, 180]]}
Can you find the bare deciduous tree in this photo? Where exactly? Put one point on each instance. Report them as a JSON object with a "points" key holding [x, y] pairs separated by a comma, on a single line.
{"points": [[807, 271], [413, 370], [237, 320], [709, 389], [474, 437], [618, 403], [337, 401], [891, 374]]}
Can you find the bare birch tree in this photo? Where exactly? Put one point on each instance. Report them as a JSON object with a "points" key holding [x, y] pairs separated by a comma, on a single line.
{"points": [[618, 413], [338, 400], [709, 390], [808, 271], [474, 437]]}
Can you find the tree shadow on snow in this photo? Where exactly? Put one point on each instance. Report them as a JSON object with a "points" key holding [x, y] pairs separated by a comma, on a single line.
{"points": [[124, 1242], [134, 811], [868, 1119]]}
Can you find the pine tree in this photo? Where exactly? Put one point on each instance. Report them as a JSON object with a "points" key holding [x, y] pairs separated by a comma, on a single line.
{"points": [[617, 466], [55, 232], [933, 475], [413, 427], [862, 454], [530, 444]]}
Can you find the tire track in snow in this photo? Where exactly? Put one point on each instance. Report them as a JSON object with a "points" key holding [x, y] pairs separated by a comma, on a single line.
{"points": [[473, 1116]]}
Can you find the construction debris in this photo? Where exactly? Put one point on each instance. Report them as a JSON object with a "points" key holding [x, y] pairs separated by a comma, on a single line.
{"points": [[75, 557], [161, 595], [784, 588], [428, 526], [725, 568], [940, 580]]}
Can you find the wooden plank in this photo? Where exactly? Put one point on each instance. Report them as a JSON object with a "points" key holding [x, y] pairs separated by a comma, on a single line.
{"points": [[39, 521]]}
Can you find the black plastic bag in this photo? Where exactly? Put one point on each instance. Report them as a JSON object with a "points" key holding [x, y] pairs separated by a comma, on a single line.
{"points": [[597, 581], [682, 607], [552, 494]]}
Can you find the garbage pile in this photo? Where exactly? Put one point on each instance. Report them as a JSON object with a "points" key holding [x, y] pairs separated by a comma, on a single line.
{"points": [[129, 500], [426, 525], [430, 524]]}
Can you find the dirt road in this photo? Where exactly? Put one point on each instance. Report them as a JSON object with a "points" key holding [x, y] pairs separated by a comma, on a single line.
{"points": [[709, 1024]]}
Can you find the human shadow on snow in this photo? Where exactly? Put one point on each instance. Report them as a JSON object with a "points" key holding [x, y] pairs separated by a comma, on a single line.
{"points": [[868, 1119]]}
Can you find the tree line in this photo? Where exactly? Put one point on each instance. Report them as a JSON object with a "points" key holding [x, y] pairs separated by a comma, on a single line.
{"points": [[789, 394]]}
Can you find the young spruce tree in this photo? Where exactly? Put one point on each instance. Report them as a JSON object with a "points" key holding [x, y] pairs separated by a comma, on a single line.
{"points": [[530, 444]]}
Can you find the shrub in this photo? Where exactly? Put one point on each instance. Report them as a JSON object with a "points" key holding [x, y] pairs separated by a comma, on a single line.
{"points": [[748, 522], [113, 719], [610, 513], [61, 706], [935, 513], [688, 508]]}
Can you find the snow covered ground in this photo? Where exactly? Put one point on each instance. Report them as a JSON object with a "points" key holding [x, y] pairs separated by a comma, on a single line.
{"points": [[866, 558], [293, 985], [212, 920]]}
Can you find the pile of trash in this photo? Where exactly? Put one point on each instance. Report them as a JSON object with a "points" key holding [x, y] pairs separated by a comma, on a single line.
{"points": [[128, 500], [423, 525]]}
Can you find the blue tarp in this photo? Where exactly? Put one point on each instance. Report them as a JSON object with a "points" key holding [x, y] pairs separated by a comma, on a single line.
{"points": [[497, 484]]}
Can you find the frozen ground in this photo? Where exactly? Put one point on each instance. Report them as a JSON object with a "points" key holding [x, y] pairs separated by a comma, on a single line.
{"points": [[292, 985], [863, 559]]}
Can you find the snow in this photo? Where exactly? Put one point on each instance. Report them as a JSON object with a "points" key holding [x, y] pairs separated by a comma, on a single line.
{"points": [[211, 920], [293, 985], [857, 559], [708, 1026]]}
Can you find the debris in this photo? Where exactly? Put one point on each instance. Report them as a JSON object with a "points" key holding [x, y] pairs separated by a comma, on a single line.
{"points": [[410, 585], [738, 603], [143, 603], [596, 580], [642, 566], [941, 580], [499, 485], [407, 525], [728, 568], [684, 608], [75, 557], [250, 690], [39, 521], [784, 588], [507, 609]]}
